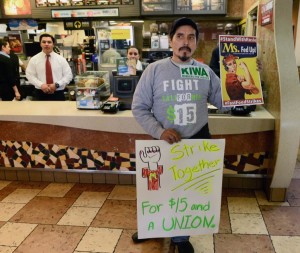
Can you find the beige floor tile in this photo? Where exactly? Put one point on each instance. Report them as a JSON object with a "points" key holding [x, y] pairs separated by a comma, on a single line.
{"points": [[297, 172], [21, 196], [91, 199], [281, 220], [242, 205], [126, 245], [43, 210], [286, 244], [263, 201], [13, 234], [5, 249], [8, 210], [250, 223], [79, 188], [99, 240], [52, 239], [56, 189], [235, 243], [203, 243], [117, 214], [123, 192], [293, 192], [224, 226], [79, 216], [4, 184]]}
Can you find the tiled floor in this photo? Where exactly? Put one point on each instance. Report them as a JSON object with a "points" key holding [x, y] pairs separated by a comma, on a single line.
{"points": [[37, 217]]}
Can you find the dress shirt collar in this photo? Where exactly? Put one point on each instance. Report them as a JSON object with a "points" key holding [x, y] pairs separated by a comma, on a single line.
{"points": [[51, 54], [5, 54]]}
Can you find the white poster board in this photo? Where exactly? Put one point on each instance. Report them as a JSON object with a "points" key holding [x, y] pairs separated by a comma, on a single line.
{"points": [[179, 187]]}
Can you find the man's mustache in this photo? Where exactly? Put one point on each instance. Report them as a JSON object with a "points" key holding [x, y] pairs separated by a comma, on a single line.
{"points": [[185, 48]]}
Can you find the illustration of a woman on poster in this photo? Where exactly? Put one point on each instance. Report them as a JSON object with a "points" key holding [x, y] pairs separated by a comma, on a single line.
{"points": [[237, 86]]}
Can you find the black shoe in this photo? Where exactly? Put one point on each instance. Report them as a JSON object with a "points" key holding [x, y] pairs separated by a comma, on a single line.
{"points": [[184, 247], [136, 239]]}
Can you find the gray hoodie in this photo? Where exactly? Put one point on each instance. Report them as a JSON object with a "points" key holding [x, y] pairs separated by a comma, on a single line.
{"points": [[175, 96]]}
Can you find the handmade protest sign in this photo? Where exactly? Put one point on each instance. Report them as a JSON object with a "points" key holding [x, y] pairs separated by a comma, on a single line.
{"points": [[179, 187]]}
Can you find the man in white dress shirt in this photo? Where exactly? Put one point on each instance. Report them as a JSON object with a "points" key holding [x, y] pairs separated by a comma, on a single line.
{"points": [[61, 72]]}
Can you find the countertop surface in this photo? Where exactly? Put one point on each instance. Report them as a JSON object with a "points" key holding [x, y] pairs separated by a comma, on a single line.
{"points": [[65, 113]]}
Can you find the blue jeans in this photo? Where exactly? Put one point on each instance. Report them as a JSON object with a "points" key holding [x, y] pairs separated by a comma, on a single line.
{"points": [[177, 239]]}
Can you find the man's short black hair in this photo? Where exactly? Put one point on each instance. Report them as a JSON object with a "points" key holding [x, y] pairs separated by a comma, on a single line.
{"points": [[47, 35], [3, 42], [183, 21]]}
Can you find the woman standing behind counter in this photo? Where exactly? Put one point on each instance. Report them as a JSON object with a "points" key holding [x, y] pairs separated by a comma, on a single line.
{"points": [[8, 88]]}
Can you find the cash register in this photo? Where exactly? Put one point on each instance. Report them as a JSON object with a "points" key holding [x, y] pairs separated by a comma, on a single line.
{"points": [[123, 88]]}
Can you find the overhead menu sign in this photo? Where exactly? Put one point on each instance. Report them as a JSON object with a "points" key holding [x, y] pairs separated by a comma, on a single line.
{"points": [[85, 13]]}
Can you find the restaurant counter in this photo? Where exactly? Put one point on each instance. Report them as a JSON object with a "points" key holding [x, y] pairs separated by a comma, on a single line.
{"points": [[56, 135], [65, 113]]}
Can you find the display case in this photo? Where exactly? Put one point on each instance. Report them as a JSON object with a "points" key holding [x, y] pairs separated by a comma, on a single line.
{"points": [[92, 89]]}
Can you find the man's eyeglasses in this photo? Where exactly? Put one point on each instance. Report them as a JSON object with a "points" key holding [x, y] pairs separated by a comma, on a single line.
{"points": [[133, 53]]}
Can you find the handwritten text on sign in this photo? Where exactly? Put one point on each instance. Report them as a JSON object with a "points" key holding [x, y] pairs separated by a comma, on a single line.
{"points": [[179, 187]]}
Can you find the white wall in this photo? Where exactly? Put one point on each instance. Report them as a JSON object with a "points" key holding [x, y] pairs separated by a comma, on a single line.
{"points": [[297, 45]]}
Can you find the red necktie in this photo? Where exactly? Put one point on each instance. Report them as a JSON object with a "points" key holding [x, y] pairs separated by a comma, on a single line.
{"points": [[49, 77]]}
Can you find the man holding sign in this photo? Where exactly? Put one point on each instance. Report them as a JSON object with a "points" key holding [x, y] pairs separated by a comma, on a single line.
{"points": [[170, 101]]}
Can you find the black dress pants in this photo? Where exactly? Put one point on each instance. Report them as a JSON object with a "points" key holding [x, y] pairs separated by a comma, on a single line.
{"points": [[56, 96]]}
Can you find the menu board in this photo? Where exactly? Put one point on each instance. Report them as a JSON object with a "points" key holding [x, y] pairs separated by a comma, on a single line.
{"points": [[77, 2], [154, 7], [90, 2], [53, 3], [200, 7], [41, 3]]}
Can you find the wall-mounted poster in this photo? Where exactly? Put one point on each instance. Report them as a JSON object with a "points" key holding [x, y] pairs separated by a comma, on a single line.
{"points": [[19, 7], [15, 42], [240, 78], [267, 13]]}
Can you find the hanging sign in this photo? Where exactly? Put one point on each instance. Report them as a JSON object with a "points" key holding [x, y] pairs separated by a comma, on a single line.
{"points": [[85, 13], [77, 25]]}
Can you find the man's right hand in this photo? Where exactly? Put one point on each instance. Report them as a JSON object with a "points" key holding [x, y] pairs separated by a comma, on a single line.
{"points": [[171, 136], [45, 88]]}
